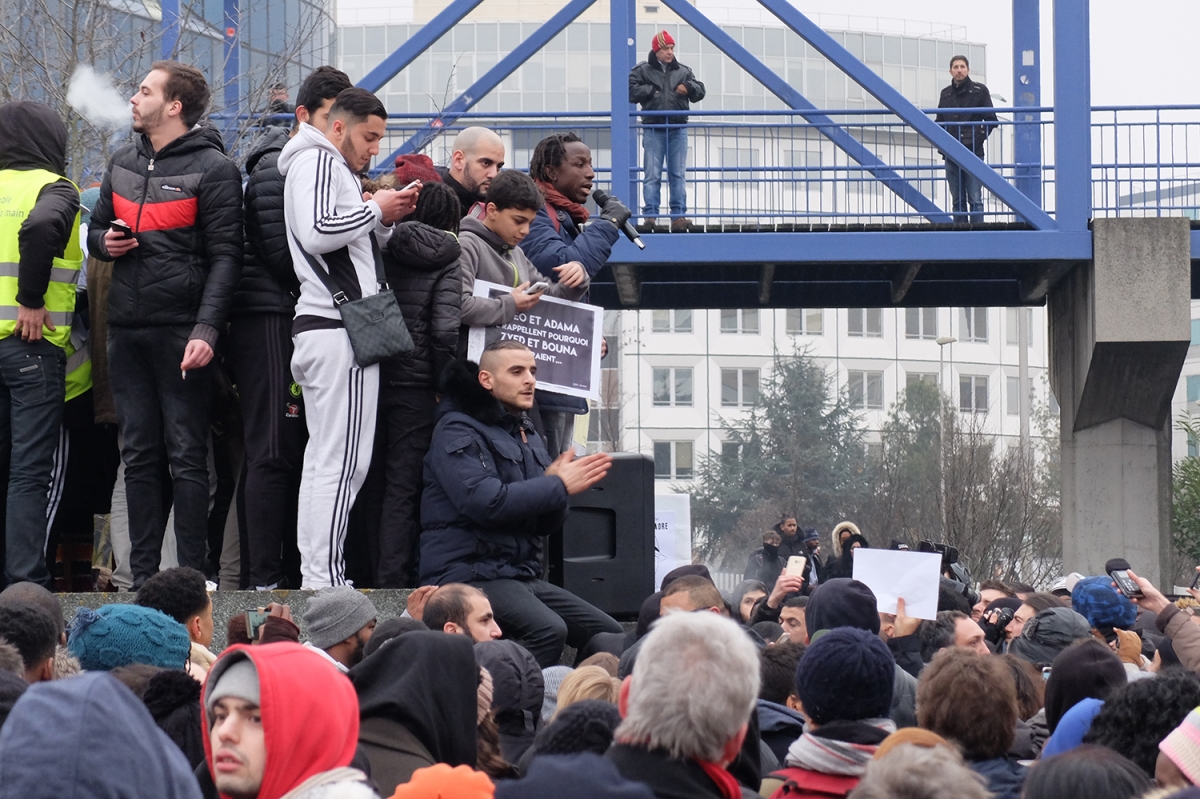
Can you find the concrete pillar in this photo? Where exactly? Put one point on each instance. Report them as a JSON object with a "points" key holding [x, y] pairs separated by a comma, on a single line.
{"points": [[1119, 332]]}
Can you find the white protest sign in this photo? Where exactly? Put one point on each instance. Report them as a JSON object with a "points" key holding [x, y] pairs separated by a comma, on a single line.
{"points": [[892, 574], [672, 534], [564, 337]]}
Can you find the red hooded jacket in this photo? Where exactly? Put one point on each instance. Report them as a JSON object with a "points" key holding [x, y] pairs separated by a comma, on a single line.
{"points": [[309, 713]]}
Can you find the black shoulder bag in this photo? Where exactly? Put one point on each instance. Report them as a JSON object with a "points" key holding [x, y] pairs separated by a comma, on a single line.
{"points": [[374, 324]]}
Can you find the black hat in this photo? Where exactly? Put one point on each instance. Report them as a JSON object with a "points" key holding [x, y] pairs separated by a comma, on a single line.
{"points": [[842, 602]]}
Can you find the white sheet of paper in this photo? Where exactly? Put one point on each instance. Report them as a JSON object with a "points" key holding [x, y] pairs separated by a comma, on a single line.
{"points": [[892, 574]]}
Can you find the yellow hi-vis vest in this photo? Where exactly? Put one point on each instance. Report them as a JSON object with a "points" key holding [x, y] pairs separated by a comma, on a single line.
{"points": [[19, 189], [79, 365]]}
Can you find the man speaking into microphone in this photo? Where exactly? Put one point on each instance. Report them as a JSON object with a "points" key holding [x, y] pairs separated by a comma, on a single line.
{"points": [[561, 166]]}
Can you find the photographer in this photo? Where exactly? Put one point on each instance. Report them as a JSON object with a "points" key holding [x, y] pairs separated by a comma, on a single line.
{"points": [[995, 620]]}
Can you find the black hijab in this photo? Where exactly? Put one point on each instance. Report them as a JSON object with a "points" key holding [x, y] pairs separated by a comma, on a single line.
{"points": [[428, 682]]}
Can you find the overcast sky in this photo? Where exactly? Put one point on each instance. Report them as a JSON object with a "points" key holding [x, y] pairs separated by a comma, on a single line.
{"points": [[1142, 53]]}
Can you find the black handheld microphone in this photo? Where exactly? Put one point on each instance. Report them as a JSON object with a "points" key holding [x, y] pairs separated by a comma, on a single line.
{"points": [[601, 197]]}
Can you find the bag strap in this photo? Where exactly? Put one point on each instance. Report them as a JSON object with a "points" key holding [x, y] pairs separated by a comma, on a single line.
{"points": [[327, 278], [377, 254]]}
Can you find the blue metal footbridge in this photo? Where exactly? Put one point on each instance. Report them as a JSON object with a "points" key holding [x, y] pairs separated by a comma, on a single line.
{"points": [[868, 223]]}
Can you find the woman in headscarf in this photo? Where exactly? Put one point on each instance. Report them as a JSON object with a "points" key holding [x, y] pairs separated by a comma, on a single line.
{"points": [[418, 701]]}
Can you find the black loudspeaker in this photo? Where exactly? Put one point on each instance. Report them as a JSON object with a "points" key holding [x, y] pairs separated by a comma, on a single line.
{"points": [[605, 553]]}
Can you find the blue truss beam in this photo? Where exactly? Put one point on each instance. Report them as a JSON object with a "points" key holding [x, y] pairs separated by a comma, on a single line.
{"points": [[623, 35], [1027, 93], [170, 28], [826, 126], [1072, 114], [492, 78], [421, 41], [1021, 205], [1011, 246]]}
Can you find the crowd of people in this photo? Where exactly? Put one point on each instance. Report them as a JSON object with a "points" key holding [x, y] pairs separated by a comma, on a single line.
{"points": [[204, 294], [1080, 691], [218, 341]]}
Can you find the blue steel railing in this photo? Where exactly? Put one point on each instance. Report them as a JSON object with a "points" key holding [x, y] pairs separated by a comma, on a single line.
{"points": [[776, 170]]}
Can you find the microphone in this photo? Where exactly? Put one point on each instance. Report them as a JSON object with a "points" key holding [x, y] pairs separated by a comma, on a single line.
{"points": [[601, 197]]}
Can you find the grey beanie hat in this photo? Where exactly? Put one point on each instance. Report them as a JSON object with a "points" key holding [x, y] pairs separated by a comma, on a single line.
{"points": [[239, 679], [334, 614]]}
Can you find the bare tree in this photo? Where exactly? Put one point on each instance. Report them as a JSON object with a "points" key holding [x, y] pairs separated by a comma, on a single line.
{"points": [[999, 506], [44, 42]]}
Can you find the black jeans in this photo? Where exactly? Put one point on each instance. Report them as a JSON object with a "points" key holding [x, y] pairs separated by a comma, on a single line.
{"points": [[259, 358], [163, 416], [542, 617], [403, 431], [32, 391]]}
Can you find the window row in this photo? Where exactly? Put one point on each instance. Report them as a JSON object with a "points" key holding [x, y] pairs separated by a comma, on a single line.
{"points": [[864, 391], [919, 323], [672, 387]]}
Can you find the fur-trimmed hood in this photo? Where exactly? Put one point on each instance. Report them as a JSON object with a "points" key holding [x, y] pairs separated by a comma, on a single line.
{"points": [[837, 535], [461, 392]]}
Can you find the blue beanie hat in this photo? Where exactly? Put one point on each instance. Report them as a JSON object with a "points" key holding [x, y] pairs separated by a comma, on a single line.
{"points": [[846, 674], [118, 635], [1096, 600], [87, 201]]}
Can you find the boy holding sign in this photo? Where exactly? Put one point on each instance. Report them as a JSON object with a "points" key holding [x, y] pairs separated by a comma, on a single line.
{"points": [[490, 252]]}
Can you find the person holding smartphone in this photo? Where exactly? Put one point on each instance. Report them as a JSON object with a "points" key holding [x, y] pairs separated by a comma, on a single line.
{"points": [[491, 252], [1170, 620], [173, 282]]}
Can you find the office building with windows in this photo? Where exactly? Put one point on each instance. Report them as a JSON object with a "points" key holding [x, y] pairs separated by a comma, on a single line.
{"points": [[679, 377]]}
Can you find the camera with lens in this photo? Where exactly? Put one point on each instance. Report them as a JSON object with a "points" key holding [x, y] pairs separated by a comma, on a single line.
{"points": [[954, 574], [995, 624]]}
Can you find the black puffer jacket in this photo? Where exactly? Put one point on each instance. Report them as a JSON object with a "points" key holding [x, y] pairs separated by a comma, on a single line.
{"points": [[421, 265], [184, 204], [268, 284], [652, 84]]}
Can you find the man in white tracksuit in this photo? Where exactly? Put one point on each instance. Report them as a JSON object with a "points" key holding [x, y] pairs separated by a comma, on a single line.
{"points": [[328, 219]]}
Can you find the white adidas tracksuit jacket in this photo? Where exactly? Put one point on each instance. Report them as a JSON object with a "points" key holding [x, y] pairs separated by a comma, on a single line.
{"points": [[326, 215]]}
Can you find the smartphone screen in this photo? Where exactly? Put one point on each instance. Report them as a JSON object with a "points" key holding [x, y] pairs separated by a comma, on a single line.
{"points": [[795, 566], [254, 620]]}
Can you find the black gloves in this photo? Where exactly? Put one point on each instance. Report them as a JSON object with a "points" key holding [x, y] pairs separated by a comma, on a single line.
{"points": [[615, 211]]}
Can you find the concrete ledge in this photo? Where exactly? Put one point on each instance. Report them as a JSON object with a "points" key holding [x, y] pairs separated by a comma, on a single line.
{"points": [[389, 603], [226, 604]]}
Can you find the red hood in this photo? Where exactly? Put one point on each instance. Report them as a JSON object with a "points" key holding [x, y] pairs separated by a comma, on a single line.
{"points": [[309, 712]]}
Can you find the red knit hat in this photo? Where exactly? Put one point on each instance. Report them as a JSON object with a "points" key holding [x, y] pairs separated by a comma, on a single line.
{"points": [[415, 167], [661, 40]]}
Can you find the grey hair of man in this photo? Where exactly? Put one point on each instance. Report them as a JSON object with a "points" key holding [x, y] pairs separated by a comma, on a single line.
{"points": [[920, 772], [693, 687]]}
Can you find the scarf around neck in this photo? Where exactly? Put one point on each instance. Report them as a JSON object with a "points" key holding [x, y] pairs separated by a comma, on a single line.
{"points": [[828, 756], [556, 198], [725, 781]]}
